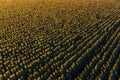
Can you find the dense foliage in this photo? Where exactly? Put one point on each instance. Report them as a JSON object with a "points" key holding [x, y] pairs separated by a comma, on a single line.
{"points": [[59, 39]]}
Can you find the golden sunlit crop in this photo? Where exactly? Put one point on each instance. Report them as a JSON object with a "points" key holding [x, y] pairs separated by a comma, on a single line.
{"points": [[59, 39]]}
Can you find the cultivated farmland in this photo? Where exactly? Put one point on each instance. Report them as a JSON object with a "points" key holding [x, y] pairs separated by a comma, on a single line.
{"points": [[59, 40]]}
